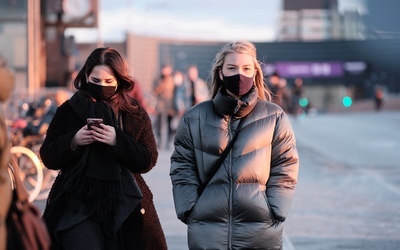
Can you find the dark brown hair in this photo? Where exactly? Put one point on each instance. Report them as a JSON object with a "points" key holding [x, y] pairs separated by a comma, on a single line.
{"points": [[113, 59]]}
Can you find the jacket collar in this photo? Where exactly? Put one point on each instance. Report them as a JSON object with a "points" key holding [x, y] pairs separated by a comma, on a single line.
{"points": [[226, 105]]}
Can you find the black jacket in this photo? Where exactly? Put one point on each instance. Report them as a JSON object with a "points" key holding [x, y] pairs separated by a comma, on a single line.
{"points": [[136, 149], [247, 200]]}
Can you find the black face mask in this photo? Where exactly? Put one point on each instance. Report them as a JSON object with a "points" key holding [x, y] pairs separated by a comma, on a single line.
{"points": [[238, 84], [100, 92]]}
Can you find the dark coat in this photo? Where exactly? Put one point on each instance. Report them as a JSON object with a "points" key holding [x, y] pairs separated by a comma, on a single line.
{"points": [[246, 202], [136, 149]]}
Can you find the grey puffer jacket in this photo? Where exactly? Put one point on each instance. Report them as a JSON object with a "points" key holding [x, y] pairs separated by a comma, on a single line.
{"points": [[247, 200]]}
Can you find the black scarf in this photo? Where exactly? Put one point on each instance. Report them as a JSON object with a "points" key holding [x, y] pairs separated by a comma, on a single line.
{"points": [[96, 181], [226, 105]]}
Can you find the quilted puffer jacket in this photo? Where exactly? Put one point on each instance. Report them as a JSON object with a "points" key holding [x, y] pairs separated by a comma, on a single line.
{"points": [[247, 200]]}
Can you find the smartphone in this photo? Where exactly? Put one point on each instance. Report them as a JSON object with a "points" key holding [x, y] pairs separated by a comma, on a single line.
{"points": [[93, 122]]}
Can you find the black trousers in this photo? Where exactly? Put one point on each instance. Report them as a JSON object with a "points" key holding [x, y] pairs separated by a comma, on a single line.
{"points": [[89, 234]]}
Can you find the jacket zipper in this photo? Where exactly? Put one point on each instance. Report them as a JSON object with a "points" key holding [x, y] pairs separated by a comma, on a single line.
{"points": [[230, 188]]}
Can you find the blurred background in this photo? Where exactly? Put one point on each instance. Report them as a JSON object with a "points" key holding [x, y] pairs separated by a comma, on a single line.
{"points": [[340, 48]]}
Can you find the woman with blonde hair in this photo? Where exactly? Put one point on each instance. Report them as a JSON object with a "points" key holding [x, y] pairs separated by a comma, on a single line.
{"points": [[235, 164]]}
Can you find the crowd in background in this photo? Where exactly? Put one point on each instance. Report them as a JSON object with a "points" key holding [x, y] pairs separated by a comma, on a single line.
{"points": [[288, 97], [175, 91]]}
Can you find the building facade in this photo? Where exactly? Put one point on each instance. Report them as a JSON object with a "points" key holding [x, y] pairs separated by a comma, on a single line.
{"points": [[318, 20]]}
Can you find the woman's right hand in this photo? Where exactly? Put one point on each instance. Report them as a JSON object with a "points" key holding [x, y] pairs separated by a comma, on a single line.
{"points": [[83, 137]]}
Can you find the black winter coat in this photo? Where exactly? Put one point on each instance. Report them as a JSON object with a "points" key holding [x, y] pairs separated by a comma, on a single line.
{"points": [[246, 202], [136, 149]]}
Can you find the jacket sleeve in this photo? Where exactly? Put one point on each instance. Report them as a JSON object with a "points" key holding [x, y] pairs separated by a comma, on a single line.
{"points": [[284, 168], [136, 146], [56, 152], [183, 172]]}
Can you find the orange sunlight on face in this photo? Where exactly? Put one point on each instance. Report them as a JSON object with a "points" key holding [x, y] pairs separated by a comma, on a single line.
{"points": [[238, 63]]}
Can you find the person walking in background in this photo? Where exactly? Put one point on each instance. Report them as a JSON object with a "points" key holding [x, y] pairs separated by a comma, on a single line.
{"points": [[7, 82], [164, 92], [137, 93], [179, 100], [197, 88], [280, 92], [297, 93], [100, 200], [244, 203], [378, 97], [283, 93]]}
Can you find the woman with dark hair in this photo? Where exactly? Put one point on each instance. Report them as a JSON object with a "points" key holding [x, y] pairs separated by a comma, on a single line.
{"points": [[100, 200]]}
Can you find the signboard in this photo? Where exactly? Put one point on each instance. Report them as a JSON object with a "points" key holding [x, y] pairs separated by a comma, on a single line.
{"points": [[309, 69]]}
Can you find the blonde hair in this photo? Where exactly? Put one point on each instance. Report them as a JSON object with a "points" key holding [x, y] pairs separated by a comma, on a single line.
{"points": [[244, 47]]}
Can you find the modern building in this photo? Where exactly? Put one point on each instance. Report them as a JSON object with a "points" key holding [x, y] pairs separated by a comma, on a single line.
{"points": [[318, 20], [33, 41], [14, 37], [331, 51], [383, 19], [330, 69]]}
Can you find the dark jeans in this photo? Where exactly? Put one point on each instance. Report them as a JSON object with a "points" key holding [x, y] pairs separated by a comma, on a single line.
{"points": [[164, 125]]}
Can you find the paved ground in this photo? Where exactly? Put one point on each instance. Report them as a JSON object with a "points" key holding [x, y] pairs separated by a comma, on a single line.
{"points": [[348, 195], [349, 185]]}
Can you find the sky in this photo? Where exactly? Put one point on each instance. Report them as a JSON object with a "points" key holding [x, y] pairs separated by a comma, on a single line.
{"points": [[208, 20]]}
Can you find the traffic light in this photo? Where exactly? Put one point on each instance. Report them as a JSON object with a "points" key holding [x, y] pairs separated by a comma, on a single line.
{"points": [[303, 102], [347, 101]]}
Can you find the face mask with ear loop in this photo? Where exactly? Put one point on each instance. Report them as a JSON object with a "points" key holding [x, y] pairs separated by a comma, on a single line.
{"points": [[238, 84], [100, 92]]}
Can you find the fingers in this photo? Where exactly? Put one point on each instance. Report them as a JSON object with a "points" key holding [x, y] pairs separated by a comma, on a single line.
{"points": [[83, 136], [105, 134]]}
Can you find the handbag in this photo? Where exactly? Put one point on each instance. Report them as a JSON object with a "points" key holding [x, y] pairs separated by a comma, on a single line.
{"points": [[25, 227], [221, 159]]}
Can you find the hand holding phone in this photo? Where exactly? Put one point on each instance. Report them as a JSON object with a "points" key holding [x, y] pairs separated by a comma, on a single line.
{"points": [[93, 122]]}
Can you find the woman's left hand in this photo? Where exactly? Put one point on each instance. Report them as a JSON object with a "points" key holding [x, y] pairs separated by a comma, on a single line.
{"points": [[105, 134]]}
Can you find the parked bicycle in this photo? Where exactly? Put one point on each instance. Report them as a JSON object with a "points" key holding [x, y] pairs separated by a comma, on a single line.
{"points": [[31, 170], [26, 141]]}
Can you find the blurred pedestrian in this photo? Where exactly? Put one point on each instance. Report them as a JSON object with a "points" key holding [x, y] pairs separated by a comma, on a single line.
{"points": [[279, 91], [179, 99], [198, 90], [378, 97], [297, 94], [137, 93], [244, 202], [164, 92], [283, 94], [100, 200], [7, 82]]}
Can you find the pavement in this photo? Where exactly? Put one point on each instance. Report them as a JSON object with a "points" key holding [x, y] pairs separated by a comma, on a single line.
{"points": [[348, 194], [160, 184]]}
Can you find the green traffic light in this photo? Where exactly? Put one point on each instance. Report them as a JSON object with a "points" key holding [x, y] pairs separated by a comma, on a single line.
{"points": [[303, 102], [347, 101]]}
